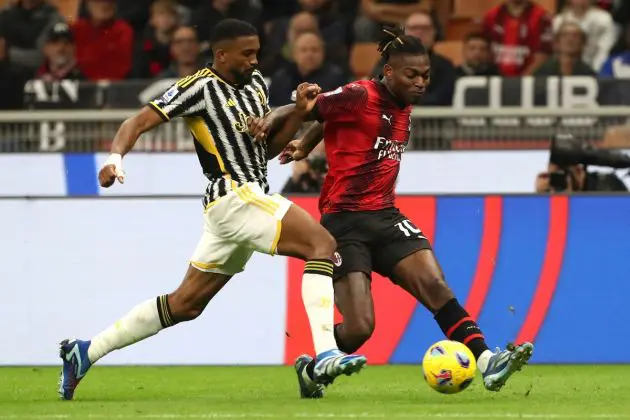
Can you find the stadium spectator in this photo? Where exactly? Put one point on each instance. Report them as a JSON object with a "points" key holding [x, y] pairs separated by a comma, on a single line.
{"points": [[521, 36], [598, 26], [477, 57], [104, 43], [314, 15], [152, 52], [569, 42], [307, 175], [12, 80], [309, 66], [212, 12], [440, 90], [618, 65], [277, 52], [376, 13], [134, 12], [25, 25], [185, 50], [60, 56]]}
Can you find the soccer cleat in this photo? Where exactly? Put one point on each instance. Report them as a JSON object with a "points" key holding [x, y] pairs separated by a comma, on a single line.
{"points": [[332, 363], [76, 363], [504, 363], [308, 387]]}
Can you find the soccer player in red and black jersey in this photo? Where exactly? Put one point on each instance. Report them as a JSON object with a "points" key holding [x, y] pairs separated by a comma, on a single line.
{"points": [[365, 126]]}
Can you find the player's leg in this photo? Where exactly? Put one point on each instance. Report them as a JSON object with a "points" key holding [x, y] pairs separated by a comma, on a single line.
{"points": [[353, 297], [409, 261], [303, 237], [148, 318], [274, 225], [213, 262]]}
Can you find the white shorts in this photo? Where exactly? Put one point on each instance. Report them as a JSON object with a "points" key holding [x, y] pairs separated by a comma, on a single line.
{"points": [[243, 221]]}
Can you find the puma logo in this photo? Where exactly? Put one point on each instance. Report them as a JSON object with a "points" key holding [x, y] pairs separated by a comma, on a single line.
{"points": [[388, 118]]}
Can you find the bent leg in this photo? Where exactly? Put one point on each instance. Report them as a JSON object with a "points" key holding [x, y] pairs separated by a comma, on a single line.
{"points": [[353, 296]]}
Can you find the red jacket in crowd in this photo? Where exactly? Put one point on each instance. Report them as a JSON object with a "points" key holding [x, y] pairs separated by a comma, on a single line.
{"points": [[104, 52]]}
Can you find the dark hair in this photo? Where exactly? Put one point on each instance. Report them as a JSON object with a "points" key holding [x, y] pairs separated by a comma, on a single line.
{"points": [[395, 42], [229, 29], [477, 35]]}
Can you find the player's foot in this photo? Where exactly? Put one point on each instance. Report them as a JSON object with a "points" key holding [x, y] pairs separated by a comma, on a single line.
{"points": [[503, 364], [308, 387], [332, 363], [76, 363]]}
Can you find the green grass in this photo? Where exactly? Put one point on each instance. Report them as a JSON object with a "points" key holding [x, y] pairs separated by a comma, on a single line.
{"points": [[388, 392]]}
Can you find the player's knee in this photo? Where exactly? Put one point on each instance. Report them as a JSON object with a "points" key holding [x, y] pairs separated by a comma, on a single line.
{"points": [[322, 245]]}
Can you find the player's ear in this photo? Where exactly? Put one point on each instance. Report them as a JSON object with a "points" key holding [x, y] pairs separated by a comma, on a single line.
{"points": [[388, 71], [219, 56]]}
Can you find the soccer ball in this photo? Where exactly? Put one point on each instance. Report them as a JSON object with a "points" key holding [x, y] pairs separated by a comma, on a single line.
{"points": [[449, 367]]}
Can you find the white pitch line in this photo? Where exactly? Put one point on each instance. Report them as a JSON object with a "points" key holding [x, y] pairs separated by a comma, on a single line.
{"points": [[470, 416]]}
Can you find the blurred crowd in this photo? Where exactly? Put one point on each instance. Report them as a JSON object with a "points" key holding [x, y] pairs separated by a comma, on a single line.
{"points": [[322, 41]]}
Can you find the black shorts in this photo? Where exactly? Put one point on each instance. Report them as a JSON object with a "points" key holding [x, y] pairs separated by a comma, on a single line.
{"points": [[372, 240]]}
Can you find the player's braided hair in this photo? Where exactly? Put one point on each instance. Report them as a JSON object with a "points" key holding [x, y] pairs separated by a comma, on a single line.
{"points": [[395, 42]]}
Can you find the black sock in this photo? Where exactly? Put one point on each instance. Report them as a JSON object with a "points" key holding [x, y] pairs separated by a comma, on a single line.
{"points": [[457, 325], [164, 312]]}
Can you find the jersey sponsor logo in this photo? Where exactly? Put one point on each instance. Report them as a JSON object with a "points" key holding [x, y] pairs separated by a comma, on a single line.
{"points": [[389, 149], [169, 94], [337, 259]]}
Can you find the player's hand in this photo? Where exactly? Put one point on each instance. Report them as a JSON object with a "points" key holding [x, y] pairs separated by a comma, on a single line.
{"points": [[111, 171], [292, 152], [306, 97], [258, 128]]}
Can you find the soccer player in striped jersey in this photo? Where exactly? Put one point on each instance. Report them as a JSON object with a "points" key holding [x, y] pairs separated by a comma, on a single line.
{"points": [[366, 131], [222, 106]]}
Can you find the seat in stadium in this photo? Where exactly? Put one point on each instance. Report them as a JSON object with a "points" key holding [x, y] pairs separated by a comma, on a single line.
{"points": [[67, 8], [451, 50], [363, 58]]}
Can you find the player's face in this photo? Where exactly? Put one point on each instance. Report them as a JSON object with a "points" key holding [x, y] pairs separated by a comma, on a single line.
{"points": [[408, 76], [241, 58]]}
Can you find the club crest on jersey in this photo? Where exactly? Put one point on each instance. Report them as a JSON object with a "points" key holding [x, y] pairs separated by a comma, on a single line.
{"points": [[389, 149], [241, 124], [337, 259]]}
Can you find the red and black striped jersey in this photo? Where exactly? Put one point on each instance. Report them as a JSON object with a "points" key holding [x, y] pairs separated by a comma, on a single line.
{"points": [[366, 131]]}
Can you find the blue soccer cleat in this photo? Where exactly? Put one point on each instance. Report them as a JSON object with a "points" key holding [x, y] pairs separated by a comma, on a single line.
{"points": [[76, 363], [504, 363], [308, 387], [332, 363]]}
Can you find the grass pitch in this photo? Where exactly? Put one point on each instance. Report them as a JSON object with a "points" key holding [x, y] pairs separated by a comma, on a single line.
{"points": [[380, 392]]}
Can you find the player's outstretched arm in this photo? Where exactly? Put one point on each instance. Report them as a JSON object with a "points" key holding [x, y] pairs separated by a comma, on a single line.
{"points": [[295, 116], [125, 139]]}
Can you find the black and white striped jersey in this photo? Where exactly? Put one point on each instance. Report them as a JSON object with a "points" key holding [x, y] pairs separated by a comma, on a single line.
{"points": [[216, 113]]}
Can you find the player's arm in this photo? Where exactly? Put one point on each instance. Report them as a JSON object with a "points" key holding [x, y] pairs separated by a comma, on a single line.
{"points": [[185, 98], [281, 125], [344, 104], [300, 149]]}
